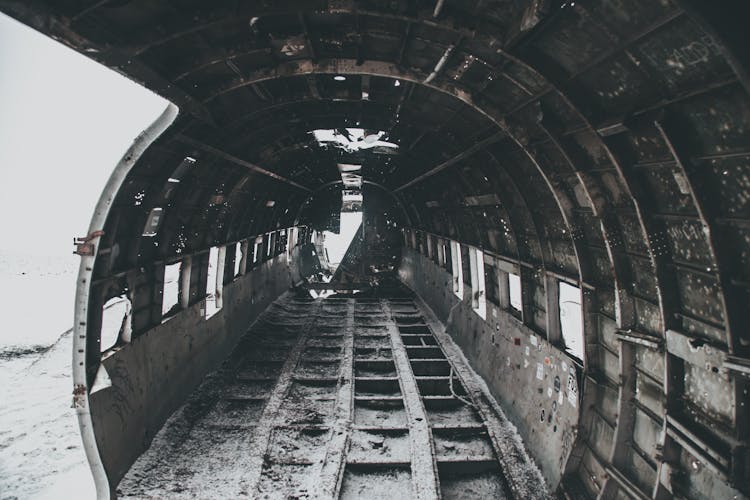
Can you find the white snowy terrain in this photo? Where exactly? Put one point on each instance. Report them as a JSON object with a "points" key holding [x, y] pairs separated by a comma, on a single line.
{"points": [[41, 455]]}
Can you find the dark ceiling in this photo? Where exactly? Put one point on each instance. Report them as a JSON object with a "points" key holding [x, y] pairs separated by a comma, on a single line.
{"points": [[605, 141]]}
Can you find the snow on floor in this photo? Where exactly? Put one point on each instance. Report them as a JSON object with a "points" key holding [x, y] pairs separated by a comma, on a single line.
{"points": [[41, 455]]}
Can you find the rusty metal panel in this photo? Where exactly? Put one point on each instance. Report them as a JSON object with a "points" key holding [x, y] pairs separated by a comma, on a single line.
{"points": [[600, 436], [617, 87], [668, 190], [606, 301], [601, 266], [698, 295], [644, 282], [649, 393], [651, 362], [640, 471], [565, 116], [632, 233], [593, 474], [575, 41], [504, 93], [688, 243], [682, 55], [609, 363], [606, 401], [717, 123], [730, 179], [647, 433], [607, 328], [648, 317], [711, 393], [625, 17]]}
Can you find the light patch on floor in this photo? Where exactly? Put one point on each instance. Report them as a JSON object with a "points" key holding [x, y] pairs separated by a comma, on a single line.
{"points": [[337, 244]]}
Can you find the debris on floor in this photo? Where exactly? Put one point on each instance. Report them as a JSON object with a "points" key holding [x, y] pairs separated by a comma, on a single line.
{"points": [[328, 398]]}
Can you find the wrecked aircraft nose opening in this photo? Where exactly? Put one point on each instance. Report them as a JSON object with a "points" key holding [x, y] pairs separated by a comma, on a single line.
{"points": [[554, 201]]}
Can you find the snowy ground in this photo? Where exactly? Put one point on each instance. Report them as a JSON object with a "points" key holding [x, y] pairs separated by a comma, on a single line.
{"points": [[40, 448]]}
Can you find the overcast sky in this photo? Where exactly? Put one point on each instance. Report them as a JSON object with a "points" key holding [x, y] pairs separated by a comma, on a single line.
{"points": [[65, 121]]}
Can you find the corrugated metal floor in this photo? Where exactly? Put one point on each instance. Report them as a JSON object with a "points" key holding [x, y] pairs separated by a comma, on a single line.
{"points": [[335, 398]]}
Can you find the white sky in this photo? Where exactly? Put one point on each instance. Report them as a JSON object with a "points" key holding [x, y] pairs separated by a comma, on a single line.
{"points": [[65, 121]]}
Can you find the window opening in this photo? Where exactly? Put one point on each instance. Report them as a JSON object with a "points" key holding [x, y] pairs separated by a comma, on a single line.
{"points": [[237, 258], [116, 322], [336, 245], [213, 281], [269, 244], [491, 284], [153, 222], [291, 239], [447, 256], [571, 319], [478, 298], [466, 264], [514, 291], [171, 291], [458, 281], [182, 169], [258, 254], [280, 242]]}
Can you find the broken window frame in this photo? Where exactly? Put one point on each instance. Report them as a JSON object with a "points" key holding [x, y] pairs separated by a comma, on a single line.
{"points": [[515, 292], [291, 241], [466, 264], [239, 262], [492, 284], [447, 255], [282, 242], [186, 270], [572, 342], [458, 281], [440, 261], [169, 292], [268, 246], [478, 293], [435, 244], [212, 303], [124, 334], [153, 222], [258, 247]]}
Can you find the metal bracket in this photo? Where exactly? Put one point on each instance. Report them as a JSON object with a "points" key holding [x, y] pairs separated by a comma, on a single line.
{"points": [[636, 337], [83, 244], [737, 364]]}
